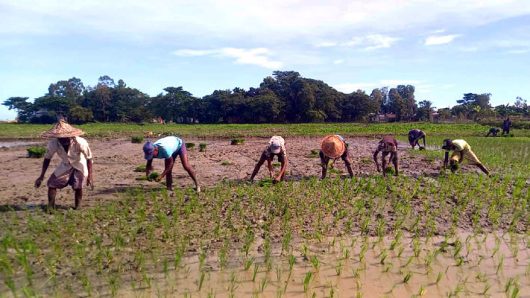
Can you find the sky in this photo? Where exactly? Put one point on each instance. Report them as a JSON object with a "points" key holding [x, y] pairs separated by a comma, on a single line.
{"points": [[443, 48]]}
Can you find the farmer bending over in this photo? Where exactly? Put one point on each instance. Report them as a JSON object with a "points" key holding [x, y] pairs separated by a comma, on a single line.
{"points": [[331, 148], [493, 132], [168, 148], [387, 145], [276, 147], [415, 136], [76, 162], [461, 150]]}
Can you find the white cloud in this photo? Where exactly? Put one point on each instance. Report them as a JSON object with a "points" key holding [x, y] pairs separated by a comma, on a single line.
{"points": [[519, 51], [372, 42], [268, 21], [255, 56], [368, 87], [435, 40], [338, 61]]}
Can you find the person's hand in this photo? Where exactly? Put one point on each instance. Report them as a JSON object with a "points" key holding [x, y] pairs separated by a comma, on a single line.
{"points": [[38, 182], [158, 179], [89, 181], [275, 180], [198, 189], [379, 169]]}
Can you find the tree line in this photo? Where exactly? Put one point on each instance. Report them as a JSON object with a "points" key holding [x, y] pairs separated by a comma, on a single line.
{"points": [[284, 97]]}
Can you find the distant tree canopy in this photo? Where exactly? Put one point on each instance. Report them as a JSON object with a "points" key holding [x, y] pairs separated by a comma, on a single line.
{"points": [[284, 97]]}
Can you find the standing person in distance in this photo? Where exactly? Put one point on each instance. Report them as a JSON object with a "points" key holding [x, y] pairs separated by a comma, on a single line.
{"points": [[506, 125]]}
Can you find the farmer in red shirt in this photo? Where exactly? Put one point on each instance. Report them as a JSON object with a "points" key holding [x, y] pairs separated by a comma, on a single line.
{"points": [[387, 145]]}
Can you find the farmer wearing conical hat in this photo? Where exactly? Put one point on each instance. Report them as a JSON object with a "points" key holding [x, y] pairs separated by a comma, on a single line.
{"points": [[168, 148], [387, 145], [461, 151], [331, 148], [415, 135], [276, 147], [76, 162]]}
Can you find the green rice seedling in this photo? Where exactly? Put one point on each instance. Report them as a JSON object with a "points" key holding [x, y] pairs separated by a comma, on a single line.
{"points": [[223, 254], [201, 280], [315, 262], [202, 147], [140, 168], [500, 265], [226, 163], [338, 268], [190, 146], [438, 278], [307, 280], [255, 272], [233, 284], [263, 284], [153, 176], [36, 151], [486, 289], [137, 139], [407, 277], [314, 153], [248, 262], [237, 141], [421, 291]]}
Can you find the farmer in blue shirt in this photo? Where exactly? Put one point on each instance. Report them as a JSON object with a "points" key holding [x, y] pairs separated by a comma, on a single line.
{"points": [[168, 148]]}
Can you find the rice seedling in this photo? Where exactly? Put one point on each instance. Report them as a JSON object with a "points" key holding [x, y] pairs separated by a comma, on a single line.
{"points": [[190, 146], [36, 151], [307, 280], [137, 139], [202, 147], [237, 141]]}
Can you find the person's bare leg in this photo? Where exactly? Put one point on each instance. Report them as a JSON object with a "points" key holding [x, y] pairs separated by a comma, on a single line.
{"points": [[78, 196], [186, 165], [483, 168], [395, 161], [52, 193], [383, 157]]}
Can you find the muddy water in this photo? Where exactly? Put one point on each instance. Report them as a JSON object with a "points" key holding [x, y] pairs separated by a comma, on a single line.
{"points": [[485, 264]]}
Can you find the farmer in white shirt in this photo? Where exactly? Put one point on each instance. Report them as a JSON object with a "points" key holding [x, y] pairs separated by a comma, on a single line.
{"points": [[76, 162], [276, 147]]}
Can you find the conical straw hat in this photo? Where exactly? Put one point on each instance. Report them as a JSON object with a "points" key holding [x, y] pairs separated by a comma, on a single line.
{"points": [[63, 130], [333, 146]]}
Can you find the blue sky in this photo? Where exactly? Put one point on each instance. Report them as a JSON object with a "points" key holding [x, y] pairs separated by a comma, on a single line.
{"points": [[444, 48]]}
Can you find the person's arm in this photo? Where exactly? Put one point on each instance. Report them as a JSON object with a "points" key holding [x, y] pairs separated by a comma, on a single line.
{"points": [[168, 165], [375, 160], [324, 164], [89, 181], [283, 168], [258, 166], [45, 165], [148, 167], [269, 167], [446, 159]]}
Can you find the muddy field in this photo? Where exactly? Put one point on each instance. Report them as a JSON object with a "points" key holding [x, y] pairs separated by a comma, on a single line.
{"points": [[116, 160]]}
